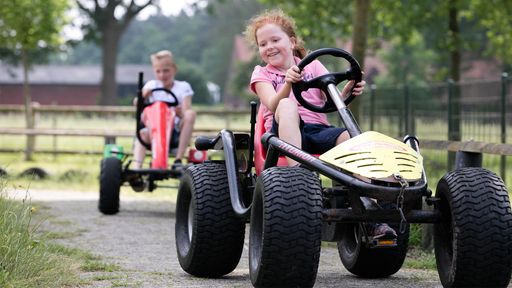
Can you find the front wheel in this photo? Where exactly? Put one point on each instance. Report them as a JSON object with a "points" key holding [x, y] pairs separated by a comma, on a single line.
{"points": [[368, 262], [473, 241], [286, 228], [209, 235], [110, 185]]}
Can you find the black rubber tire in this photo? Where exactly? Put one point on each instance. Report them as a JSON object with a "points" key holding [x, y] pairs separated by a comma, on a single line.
{"points": [[110, 185], [286, 228], [473, 241], [217, 239], [371, 262]]}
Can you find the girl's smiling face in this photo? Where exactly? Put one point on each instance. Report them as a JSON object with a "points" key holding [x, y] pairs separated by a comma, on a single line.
{"points": [[275, 46]]}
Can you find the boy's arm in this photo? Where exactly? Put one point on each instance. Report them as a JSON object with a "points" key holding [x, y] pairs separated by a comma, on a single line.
{"points": [[146, 93], [185, 105]]}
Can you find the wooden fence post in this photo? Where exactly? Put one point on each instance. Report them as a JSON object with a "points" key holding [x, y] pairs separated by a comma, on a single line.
{"points": [[54, 126], [31, 124]]}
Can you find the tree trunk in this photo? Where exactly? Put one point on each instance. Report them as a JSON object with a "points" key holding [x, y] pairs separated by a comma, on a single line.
{"points": [[109, 47], [29, 113], [359, 36], [454, 131]]}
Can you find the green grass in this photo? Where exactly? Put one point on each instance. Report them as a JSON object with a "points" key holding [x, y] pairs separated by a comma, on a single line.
{"points": [[99, 266], [418, 259], [29, 260]]}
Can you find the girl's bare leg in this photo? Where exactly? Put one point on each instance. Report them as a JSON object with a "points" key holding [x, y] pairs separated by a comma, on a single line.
{"points": [[287, 116]]}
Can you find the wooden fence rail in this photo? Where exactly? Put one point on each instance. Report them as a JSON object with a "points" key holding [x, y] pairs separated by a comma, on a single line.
{"points": [[122, 110], [454, 146]]}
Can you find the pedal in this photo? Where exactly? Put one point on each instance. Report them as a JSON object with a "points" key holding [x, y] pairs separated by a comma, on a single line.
{"points": [[384, 241]]}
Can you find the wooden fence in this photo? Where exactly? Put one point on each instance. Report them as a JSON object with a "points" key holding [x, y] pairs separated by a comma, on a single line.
{"points": [[227, 114]]}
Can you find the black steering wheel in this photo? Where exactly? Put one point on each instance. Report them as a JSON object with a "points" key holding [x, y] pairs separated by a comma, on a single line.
{"points": [[321, 82], [175, 99]]}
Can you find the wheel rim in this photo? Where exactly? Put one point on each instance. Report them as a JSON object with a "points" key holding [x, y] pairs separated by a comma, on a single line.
{"points": [[351, 239], [183, 221], [445, 233], [256, 233], [190, 221]]}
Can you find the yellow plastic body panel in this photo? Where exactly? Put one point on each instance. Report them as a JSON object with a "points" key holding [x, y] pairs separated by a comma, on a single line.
{"points": [[376, 156]]}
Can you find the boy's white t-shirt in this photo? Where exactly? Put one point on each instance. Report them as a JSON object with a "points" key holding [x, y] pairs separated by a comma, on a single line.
{"points": [[181, 89]]}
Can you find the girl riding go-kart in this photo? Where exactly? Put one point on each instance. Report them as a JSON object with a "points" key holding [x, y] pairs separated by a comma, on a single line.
{"points": [[369, 178]]}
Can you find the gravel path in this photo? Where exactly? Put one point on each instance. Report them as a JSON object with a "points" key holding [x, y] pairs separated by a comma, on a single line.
{"points": [[140, 239]]}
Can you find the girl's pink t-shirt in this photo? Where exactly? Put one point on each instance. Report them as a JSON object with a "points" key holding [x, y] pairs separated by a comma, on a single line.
{"points": [[275, 77]]}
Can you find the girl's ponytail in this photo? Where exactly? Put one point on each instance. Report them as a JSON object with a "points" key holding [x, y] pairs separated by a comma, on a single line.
{"points": [[299, 50]]}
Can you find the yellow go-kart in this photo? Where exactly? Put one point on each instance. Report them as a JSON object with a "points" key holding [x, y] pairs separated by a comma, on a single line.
{"points": [[375, 179]]}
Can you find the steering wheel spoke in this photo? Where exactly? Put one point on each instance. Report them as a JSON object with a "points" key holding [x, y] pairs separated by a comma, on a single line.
{"points": [[321, 82], [342, 76]]}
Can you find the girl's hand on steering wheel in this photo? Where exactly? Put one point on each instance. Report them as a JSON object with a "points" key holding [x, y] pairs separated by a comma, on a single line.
{"points": [[293, 75], [356, 90]]}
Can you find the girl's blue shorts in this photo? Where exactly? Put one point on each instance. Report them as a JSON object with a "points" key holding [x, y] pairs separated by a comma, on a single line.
{"points": [[316, 138]]}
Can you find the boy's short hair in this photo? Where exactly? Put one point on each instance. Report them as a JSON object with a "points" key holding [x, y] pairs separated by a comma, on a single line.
{"points": [[161, 55]]}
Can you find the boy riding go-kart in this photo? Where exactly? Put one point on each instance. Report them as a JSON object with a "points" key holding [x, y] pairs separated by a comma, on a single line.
{"points": [[115, 166], [375, 179]]}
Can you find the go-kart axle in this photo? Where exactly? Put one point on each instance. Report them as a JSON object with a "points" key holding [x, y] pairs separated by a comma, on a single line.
{"points": [[386, 216]]}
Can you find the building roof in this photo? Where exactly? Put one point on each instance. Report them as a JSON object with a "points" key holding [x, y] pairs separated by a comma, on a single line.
{"points": [[67, 74]]}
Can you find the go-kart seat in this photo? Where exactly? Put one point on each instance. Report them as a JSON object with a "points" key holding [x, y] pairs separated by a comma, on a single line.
{"points": [[260, 153]]}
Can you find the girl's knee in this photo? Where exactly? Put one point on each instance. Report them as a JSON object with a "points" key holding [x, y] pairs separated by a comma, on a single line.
{"points": [[287, 108], [287, 104], [343, 137]]}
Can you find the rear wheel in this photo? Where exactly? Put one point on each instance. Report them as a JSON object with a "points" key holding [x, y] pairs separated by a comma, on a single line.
{"points": [[209, 235], [367, 262], [286, 226], [110, 185], [473, 241]]}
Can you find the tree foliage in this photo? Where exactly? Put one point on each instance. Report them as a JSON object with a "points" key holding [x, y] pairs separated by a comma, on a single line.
{"points": [[400, 19], [32, 27], [193, 74], [443, 24], [29, 29]]}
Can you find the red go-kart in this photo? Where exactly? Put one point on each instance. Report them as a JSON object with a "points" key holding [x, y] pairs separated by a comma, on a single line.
{"points": [[158, 119]]}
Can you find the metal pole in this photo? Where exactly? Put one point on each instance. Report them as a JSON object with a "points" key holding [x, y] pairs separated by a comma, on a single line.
{"points": [[407, 106], [503, 160], [373, 87], [451, 156]]}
